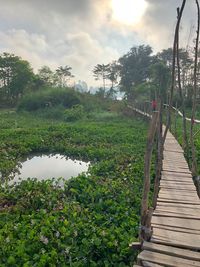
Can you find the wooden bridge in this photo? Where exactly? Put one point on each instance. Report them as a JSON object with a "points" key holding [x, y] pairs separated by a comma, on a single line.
{"points": [[176, 219]]}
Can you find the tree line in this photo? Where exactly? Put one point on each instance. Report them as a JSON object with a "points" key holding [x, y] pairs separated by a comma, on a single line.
{"points": [[142, 75], [17, 78], [139, 74]]}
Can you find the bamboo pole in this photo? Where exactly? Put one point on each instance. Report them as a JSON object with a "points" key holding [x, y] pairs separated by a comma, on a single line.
{"points": [[147, 168], [185, 139], [159, 154], [194, 161], [180, 13], [175, 121]]}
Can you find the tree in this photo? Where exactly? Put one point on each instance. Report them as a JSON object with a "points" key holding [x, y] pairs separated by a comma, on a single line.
{"points": [[101, 71], [113, 73], [160, 78], [16, 76], [101, 93], [46, 75], [64, 75], [166, 55], [135, 68], [186, 70]]}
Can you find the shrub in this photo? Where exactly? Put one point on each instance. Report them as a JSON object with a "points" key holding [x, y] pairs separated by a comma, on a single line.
{"points": [[51, 97], [75, 113]]}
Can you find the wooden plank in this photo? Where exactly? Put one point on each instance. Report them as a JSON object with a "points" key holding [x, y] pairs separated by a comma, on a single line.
{"points": [[187, 206], [178, 186], [194, 212], [177, 222], [176, 229], [151, 264], [172, 251], [185, 187], [177, 159], [181, 243], [178, 180], [171, 176], [170, 149], [191, 197], [170, 160], [175, 182], [165, 242], [187, 240], [180, 197], [177, 192], [175, 166], [178, 175], [166, 260], [176, 170], [179, 164], [175, 215], [178, 201]]}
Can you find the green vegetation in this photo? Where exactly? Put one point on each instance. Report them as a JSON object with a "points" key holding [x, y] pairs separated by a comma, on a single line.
{"points": [[49, 97], [92, 220]]}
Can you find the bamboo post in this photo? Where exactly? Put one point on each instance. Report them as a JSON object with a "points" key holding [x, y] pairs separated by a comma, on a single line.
{"points": [[147, 167], [194, 161], [180, 13], [175, 120], [185, 139], [159, 156]]}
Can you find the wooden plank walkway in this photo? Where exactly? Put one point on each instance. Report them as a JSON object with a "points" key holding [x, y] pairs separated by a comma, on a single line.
{"points": [[176, 220]]}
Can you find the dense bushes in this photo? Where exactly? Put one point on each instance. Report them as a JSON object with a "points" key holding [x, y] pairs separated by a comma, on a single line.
{"points": [[51, 97], [52, 102], [75, 113]]}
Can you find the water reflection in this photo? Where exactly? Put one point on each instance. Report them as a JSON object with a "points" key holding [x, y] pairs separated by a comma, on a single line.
{"points": [[53, 166]]}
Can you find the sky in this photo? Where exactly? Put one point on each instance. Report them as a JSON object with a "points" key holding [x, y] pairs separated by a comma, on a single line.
{"points": [[83, 33]]}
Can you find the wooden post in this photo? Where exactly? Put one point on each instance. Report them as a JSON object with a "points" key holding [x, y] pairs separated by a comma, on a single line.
{"points": [[147, 168], [159, 155]]}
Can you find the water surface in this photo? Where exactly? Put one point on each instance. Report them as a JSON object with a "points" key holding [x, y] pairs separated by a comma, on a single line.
{"points": [[45, 167]]}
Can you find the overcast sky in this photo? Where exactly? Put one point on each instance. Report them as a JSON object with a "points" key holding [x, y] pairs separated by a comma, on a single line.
{"points": [[83, 33]]}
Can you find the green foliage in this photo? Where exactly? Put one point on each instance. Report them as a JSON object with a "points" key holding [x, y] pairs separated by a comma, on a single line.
{"points": [[49, 97], [75, 113], [92, 220], [16, 78], [135, 68], [59, 78]]}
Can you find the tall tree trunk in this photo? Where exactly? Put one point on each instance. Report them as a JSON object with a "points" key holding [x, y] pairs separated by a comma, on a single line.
{"points": [[185, 139], [180, 13]]}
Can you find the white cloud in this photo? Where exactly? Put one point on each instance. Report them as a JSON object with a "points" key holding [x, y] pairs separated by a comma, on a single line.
{"points": [[82, 33]]}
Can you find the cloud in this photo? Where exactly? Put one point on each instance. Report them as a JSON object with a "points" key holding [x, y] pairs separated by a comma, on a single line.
{"points": [[81, 33], [159, 23]]}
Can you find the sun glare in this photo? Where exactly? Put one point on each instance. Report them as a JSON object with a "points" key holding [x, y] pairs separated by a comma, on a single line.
{"points": [[128, 11]]}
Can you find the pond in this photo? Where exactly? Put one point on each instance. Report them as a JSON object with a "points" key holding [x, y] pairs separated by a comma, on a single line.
{"points": [[45, 167]]}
